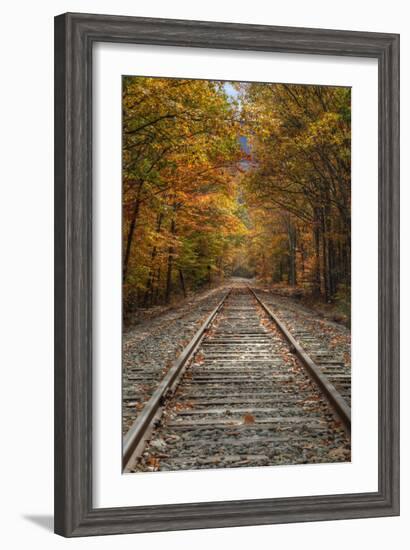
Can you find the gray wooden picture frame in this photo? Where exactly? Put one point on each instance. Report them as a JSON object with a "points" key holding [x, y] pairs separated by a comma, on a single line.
{"points": [[75, 35]]}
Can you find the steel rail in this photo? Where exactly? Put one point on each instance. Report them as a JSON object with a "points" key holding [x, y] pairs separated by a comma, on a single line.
{"points": [[327, 388], [151, 409]]}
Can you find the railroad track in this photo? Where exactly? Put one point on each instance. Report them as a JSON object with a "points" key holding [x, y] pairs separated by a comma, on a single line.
{"points": [[148, 352], [331, 362], [243, 393]]}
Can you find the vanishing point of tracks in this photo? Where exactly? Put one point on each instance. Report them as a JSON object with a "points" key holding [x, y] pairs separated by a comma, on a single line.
{"points": [[242, 393]]}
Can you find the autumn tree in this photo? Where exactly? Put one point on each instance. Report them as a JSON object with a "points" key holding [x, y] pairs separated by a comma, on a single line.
{"points": [[299, 179], [181, 155], [214, 186]]}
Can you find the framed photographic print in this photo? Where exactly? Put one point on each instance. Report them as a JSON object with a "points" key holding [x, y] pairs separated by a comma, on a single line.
{"points": [[226, 274]]}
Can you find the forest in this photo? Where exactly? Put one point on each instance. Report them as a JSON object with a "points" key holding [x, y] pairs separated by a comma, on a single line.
{"points": [[226, 179]]}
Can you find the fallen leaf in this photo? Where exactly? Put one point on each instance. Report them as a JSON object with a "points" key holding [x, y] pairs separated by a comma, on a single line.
{"points": [[248, 419], [153, 462], [183, 406], [199, 358]]}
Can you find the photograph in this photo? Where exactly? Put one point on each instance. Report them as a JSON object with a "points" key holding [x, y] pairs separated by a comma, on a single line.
{"points": [[201, 259], [236, 274], [226, 273]]}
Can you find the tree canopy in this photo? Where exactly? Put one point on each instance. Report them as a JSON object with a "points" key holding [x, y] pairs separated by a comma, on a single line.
{"points": [[250, 179]]}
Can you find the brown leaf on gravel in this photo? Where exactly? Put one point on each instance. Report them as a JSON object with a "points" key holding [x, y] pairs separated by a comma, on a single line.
{"points": [[248, 419], [183, 406], [153, 462]]}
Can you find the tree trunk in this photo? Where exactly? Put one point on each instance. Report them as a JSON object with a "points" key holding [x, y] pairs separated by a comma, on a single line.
{"points": [[325, 263], [182, 281], [316, 268], [330, 254], [156, 287], [150, 280], [171, 251], [302, 262], [292, 254], [131, 231], [332, 274]]}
